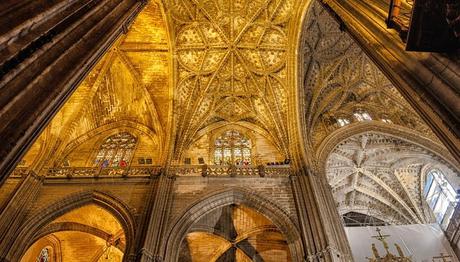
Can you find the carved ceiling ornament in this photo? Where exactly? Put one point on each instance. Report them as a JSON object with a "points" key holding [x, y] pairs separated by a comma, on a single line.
{"points": [[382, 176], [339, 80], [230, 65]]}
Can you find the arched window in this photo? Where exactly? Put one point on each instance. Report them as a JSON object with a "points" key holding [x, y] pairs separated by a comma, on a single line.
{"points": [[343, 121], [117, 150], [232, 148], [384, 118], [387, 120], [362, 116], [440, 196], [43, 256]]}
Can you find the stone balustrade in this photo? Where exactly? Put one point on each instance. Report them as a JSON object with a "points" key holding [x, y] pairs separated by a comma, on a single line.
{"points": [[76, 172], [148, 171], [230, 170]]}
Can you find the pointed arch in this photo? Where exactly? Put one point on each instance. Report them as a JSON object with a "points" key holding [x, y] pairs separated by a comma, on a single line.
{"points": [[31, 228], [219, 199], [328, 144]]}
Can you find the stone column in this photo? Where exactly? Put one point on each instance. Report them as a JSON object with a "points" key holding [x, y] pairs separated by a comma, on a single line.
{"points": [[152, 242], [14, 213], [46, 49], [323, 235]]}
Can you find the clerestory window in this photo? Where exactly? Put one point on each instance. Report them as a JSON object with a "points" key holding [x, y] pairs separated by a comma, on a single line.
{"points": [[117, 150], [362, 116], [343, 121], [232, 147], [43, 256], [440, 196]]}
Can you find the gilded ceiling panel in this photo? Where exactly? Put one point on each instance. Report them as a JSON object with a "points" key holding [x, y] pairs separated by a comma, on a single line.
{"points": [[131, 83], [230, 64]]}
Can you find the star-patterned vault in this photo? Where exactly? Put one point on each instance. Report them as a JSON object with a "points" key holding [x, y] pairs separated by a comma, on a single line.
{"points": [[230, 65]]}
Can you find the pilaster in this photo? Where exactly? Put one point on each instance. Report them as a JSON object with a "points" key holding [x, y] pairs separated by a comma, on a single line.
{"points": [[322, 231], [15, 212], [156, 222]]}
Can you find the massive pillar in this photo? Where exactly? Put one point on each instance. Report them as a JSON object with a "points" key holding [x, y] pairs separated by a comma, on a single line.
{"points": [[46, 48], [152, 242], [14, 213], [323, 235]]}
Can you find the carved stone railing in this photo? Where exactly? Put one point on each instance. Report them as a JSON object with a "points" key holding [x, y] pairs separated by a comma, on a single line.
{"points": [[20, 172], [230, 170], [76, 172], [149, 171]]}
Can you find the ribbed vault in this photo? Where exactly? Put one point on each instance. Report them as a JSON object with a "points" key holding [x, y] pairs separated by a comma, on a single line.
{"points": [[88, 233], [129, 86], [231, 66], [234, 233], [383, 176], [339, 80]]}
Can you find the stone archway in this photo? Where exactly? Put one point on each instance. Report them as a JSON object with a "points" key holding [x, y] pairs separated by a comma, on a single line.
{"points": [[234, 196], [377, 170], [39, 223]]}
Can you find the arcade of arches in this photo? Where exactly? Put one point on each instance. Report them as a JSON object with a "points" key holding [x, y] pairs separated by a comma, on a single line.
{"points": [[239, 130]]}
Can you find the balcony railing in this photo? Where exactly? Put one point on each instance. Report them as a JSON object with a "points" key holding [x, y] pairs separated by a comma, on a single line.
{"points": [[149, 171], [75, 172], [231, 170]]}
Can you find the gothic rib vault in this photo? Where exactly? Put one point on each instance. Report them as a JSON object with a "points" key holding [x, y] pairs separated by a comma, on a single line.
{"points": [[383, 177], [340, 79], [129, 89], [231, 66], [188, 70]]}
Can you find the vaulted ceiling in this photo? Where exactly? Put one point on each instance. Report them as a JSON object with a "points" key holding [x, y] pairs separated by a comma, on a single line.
{"points": [[339, 78], [88, 233], [129, 88], [234, 233], [186, 65], [231, 65], [383, 176]]}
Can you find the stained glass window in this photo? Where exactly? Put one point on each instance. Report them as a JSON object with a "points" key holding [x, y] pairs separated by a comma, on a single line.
{"points": [[440, 196], [232, 148], [117, 150], [43, 256]]}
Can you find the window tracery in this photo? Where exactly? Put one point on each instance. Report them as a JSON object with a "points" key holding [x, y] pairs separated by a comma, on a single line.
{"points": [[440, 196], [232, 147], [117, 150], [343, 121], [387, 120], [362, 116]]}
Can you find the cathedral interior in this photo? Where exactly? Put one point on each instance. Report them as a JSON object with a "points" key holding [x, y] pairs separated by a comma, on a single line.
{"points": [[229, 130]]}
